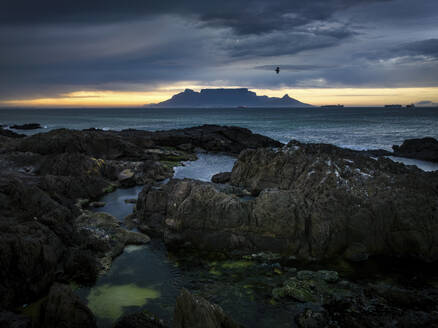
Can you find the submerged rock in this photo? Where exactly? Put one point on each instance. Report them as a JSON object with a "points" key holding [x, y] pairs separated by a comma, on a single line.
{"points": [[27, 126], [223, 177], [196, 312]]}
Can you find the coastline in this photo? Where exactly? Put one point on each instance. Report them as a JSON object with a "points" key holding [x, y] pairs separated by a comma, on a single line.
{"points": [[53, 173]]}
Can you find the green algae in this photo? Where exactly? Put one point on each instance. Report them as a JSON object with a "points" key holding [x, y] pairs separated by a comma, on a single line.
{"points": [[109, 189], [215, 272], [107, 301], [236, 265]]}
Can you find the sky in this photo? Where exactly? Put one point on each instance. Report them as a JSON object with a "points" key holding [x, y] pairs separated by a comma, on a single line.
{"points": [[134, 52]]}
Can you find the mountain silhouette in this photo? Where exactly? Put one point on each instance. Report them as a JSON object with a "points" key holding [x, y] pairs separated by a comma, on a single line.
{"points": [[226, 98]]}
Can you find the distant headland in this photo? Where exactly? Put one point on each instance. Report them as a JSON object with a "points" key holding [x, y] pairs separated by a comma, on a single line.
{"points": [[219, 98]]}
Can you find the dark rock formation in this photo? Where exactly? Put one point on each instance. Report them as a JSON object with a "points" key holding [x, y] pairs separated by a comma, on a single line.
{"points": [[227, 139], [196, 312], [223, 177], [63, 309], [341, 303], [27, 126], [425, 149], [226, 98], [142, 145], [46, 179], [311, 201]]}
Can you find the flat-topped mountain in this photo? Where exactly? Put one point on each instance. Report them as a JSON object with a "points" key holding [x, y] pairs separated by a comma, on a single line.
{"points": [[226, 98]]}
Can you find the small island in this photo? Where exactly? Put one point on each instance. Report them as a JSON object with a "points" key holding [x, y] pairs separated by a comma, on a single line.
{"points": [[227, 98]]}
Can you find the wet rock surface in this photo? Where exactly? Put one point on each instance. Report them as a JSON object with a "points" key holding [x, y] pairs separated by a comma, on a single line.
{"points": [[425, 149]]}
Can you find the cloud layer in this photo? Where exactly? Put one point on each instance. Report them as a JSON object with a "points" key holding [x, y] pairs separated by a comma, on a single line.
{"points": [[52, 47]]}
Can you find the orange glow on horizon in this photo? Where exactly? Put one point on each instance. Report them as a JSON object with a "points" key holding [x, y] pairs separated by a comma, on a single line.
{"points": [[315, 96]]}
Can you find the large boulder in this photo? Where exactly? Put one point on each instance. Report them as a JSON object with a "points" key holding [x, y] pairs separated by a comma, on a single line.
{"points": [[34, 231], [196, 312], [425, 149], [311, 201], [64, 309]]}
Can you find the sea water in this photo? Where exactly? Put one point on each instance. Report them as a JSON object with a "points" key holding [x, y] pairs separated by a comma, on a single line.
{"points": [[357, 128]]}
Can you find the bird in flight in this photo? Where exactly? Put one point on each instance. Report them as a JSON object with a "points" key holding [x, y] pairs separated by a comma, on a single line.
{"points": [[277, 69]]}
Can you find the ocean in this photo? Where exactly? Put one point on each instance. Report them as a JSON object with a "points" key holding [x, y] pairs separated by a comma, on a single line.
{"points": [[356, 128]]}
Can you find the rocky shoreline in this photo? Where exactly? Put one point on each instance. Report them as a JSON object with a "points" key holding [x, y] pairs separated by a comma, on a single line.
{"points": [[307, 202]]}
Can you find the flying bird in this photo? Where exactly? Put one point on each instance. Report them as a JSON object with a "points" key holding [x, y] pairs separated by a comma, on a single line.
{"points": [[277, 69]]}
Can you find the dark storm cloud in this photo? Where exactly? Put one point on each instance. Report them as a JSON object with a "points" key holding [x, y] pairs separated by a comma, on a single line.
{"points": [[51, 47], [244, 16], [428, 48]]}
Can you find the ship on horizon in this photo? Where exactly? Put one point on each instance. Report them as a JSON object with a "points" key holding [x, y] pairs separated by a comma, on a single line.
{"points": [[393, 106], [333, 106]]}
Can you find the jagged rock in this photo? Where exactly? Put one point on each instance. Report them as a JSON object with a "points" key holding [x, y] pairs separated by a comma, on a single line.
{"points": [[223, 177], [63, 309], [196, 312], [425, 149], [33, 232], [312, 201]]}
